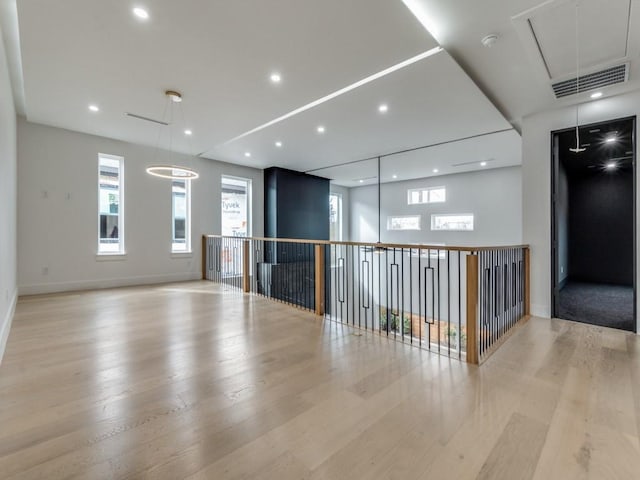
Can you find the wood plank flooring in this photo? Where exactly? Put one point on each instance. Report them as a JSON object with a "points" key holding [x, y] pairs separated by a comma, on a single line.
{"points": [[191, 381]]}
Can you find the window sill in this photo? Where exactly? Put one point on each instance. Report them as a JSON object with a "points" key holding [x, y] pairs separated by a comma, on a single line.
{"points": [[182, 254], [111, 257]]}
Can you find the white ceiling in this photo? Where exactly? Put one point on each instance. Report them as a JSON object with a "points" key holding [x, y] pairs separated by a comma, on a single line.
{"points": [[497, 150], [220, 54], [511, 73]]}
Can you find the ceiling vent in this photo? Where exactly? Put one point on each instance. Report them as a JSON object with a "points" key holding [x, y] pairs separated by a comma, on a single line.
{"points": [[592, 81]]}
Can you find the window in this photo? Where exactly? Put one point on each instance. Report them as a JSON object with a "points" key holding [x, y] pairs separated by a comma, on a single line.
{"points": [[408, 222], [110, 205], [335, 217], [236, 195], [427, 195], [181, 215], [461, 222]]}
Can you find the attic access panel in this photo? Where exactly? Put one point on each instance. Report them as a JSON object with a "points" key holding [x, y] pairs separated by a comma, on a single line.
{"points": [[548, 35]]}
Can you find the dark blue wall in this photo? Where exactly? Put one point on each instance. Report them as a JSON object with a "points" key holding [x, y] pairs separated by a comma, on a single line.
{"points": [[601, 243], [296, 205]]}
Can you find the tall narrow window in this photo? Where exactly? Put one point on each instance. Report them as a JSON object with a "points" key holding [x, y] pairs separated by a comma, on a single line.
{"points": [[235, 221], [110, 204], [181, 215], [236, 194], [335, 217]]}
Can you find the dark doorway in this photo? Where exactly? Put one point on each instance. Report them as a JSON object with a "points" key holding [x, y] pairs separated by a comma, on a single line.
{"points": [[593, 218]]}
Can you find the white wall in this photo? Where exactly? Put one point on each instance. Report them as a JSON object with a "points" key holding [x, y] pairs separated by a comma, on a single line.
{"points": [[493, 196], [58, 220], [346, 225], [8, 290], [536, 175]]}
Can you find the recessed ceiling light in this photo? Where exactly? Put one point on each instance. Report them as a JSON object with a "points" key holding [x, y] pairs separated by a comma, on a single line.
{"points": [[188, 132], [320, 129], [384, 108], [435, 170], [141, 13], [278, 144], [275, 78], [596, 95], [395, 176], [342, 91], [247, 154], [361, 181], [611, 139], [611, 165], [94, 108], [483, 164]]}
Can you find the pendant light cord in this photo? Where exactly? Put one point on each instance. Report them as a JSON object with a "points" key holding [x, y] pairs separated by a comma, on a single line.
{"points": [[577, 76]]}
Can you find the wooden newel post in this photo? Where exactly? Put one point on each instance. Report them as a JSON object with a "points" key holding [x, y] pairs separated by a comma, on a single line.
{"points": [[319, 280], [527, 282], [246, 266], [472, 309]]}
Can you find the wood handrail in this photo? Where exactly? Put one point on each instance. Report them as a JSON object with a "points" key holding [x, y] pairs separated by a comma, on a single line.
{"points": [[374, 244]]}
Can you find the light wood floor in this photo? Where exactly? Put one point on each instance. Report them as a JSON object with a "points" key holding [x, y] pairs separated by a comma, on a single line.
{"points": [[188, 381]]}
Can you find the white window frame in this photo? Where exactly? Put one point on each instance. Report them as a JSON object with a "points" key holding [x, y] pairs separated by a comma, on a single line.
{"points": [[436, 215], [390, 219], [121, 228], [249, 183], [186, 246], [339, 214], [425, 195]]}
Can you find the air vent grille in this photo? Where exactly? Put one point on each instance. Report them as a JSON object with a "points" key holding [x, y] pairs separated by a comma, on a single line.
{"points": [[593, 81]]}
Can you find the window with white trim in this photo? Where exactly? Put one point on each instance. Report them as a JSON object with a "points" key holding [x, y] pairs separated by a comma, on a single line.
{"points": [[335, 217], [417, 196], [181, 216], [404, 222], [452, 222], [110, 205]]}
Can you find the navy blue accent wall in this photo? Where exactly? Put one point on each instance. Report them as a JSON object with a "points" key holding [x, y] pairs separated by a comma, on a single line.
{"points": [[296, 205], [601, 227]]}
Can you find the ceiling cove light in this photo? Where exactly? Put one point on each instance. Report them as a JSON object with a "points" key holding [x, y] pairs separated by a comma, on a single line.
{"points": [[279, 144], [94, 108], [384, 108], [275, 78], [342, 91], [141, 13], [435, 170], [175, 172], [320, 129], [395, 176], [611, 166], [247, 154], [483, 164], [361, 181], [596, 95]]}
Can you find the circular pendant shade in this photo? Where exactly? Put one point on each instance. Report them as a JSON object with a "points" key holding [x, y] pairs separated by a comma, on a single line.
{"points": [[172, 172]]}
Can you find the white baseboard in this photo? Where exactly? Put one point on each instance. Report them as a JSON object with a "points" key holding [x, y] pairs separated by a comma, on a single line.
{"points": [[542, 311], [5, 327], [107, 283]]}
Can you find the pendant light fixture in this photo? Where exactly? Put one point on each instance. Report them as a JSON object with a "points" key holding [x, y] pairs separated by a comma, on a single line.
{"points": [[578, 148], [173, 172]]}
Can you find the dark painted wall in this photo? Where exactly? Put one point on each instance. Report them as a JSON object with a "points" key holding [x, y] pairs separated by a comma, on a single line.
{"points": [[601, 227], [296, 205]]}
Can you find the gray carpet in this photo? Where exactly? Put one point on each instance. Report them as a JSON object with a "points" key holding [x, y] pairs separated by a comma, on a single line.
{"points": [[597, 304]]}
